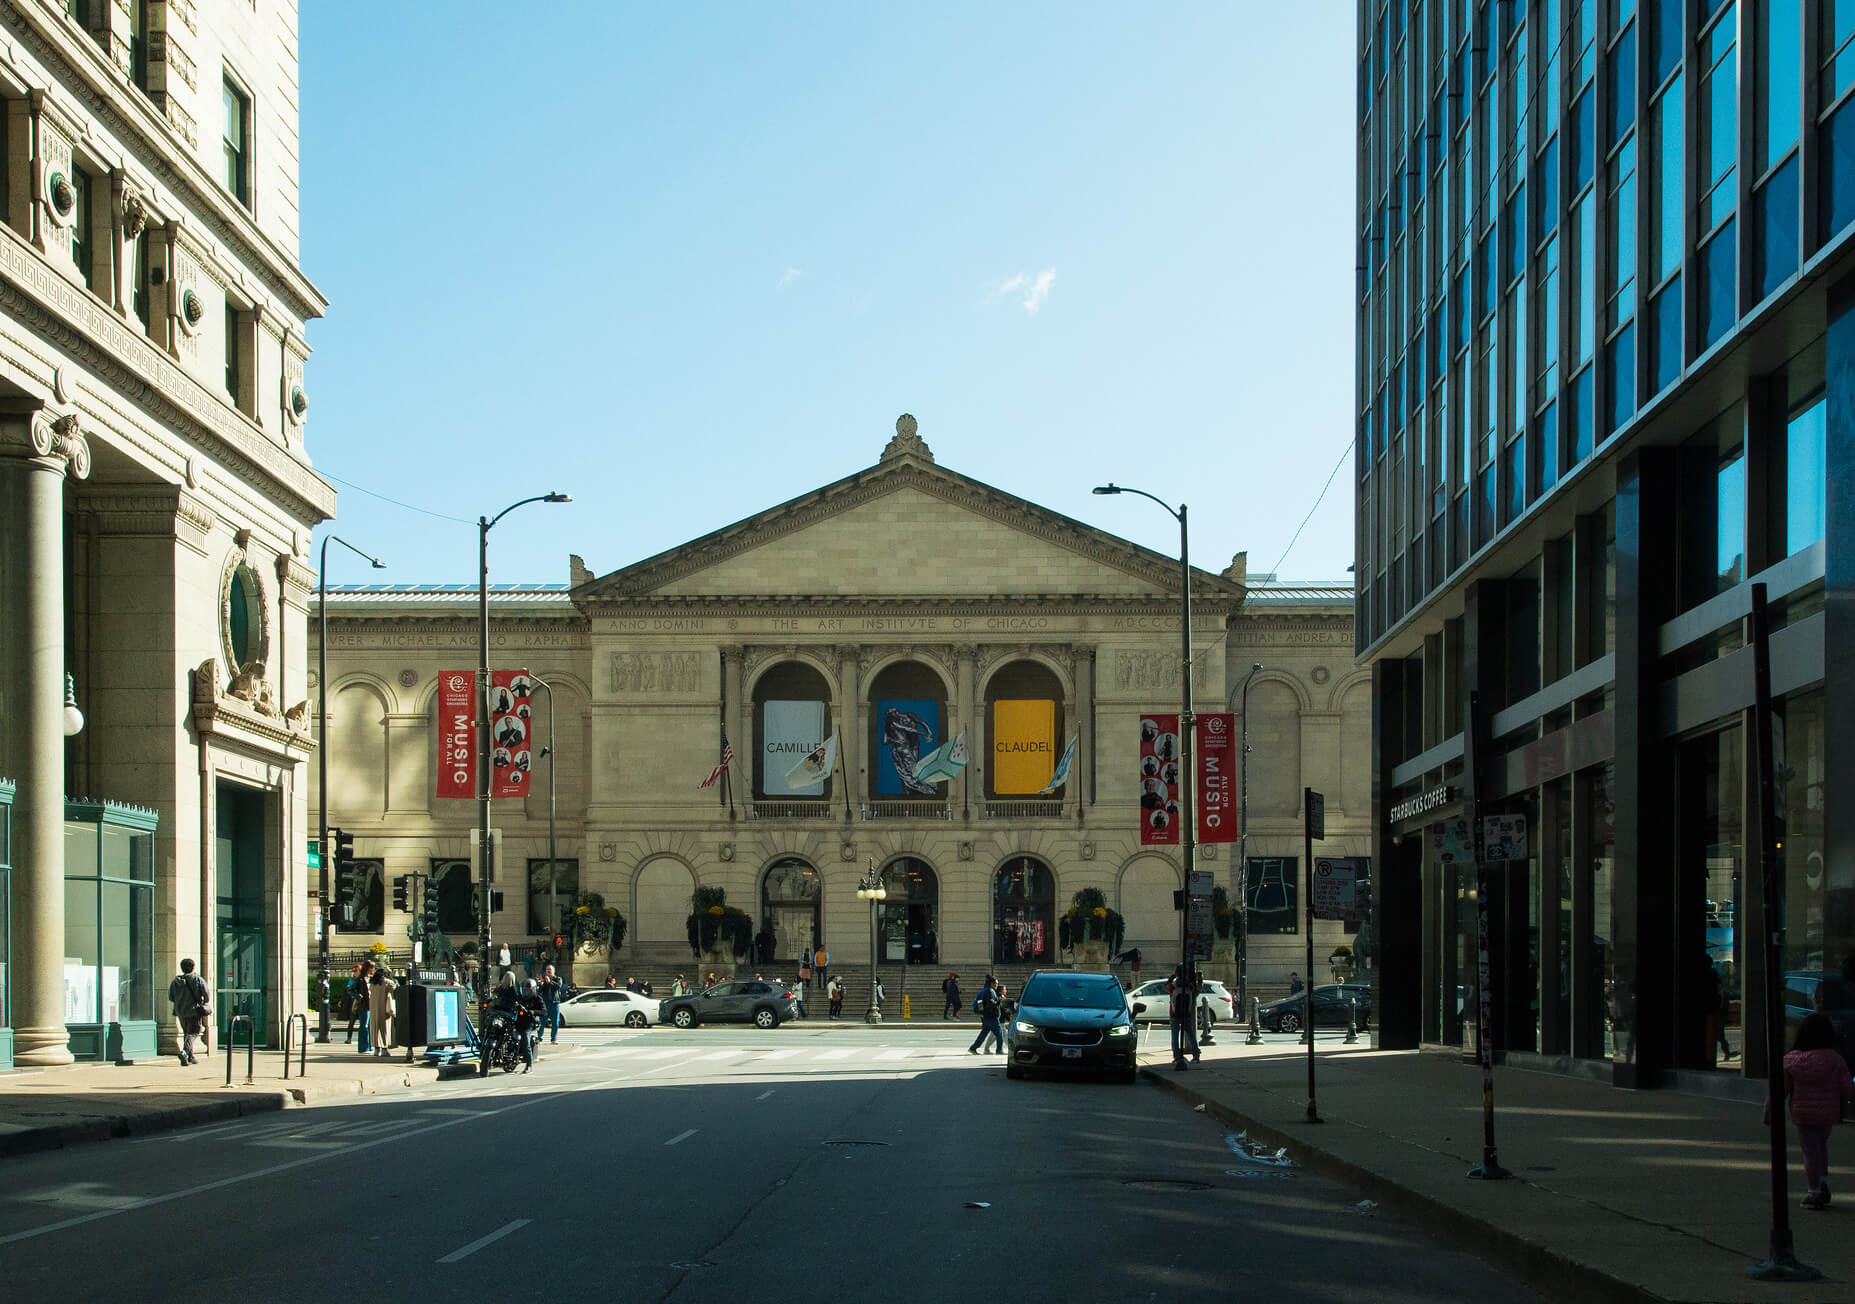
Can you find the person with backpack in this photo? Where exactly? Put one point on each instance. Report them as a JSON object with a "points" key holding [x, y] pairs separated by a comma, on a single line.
{"points": [[950, 988], [985, 1005], [835, 990], [192, 1006]]}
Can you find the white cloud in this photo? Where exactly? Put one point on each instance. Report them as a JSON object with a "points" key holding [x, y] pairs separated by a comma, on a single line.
{"points": [[788, 276], [1029, 291]]}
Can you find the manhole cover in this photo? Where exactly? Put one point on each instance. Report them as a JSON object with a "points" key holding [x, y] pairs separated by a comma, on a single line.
{"points": [[856, 1143], [1164, 1184], [1256, 1172], [683, 1265]]}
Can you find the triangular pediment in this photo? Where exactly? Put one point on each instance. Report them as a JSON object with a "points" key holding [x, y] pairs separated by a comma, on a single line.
{"points": [[905, 527]]}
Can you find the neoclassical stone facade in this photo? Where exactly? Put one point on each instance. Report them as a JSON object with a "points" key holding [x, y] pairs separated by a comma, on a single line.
{"points": [[903, 593], [156, 503]]}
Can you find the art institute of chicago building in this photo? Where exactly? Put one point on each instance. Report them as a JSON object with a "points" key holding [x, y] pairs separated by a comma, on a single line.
{"points": [[894, 609]]}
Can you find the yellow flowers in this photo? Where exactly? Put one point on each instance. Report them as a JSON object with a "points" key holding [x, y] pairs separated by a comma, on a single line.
{"points": [[1101, 912], [611, 912], [715, 910]]}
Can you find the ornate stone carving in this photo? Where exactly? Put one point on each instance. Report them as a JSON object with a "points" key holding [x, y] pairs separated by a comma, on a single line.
{"points": [[608, 851], [134, 215], [725, 851], [847, 851], [1088, 850], [1135, 669], [249, 685], [656, 672], [61, 437], [408, 677], [907, 441], [297, 717], [1320, 674], [966, 851]]}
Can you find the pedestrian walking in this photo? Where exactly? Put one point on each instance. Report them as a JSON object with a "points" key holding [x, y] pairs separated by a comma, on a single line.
{"points": [[950, 988], [1294, 982], [192, 1005], [380, 1009], [879, 995], [354, 1006], [835, 990], [503, 963], [798, 992], [985, 1005], [357, 993], [1181, 1010], [821, 961], [1816, 1082], [552, 989], [528, 963]]}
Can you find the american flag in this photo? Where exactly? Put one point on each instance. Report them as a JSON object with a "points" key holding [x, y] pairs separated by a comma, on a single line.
{"points": [[727, 759]]}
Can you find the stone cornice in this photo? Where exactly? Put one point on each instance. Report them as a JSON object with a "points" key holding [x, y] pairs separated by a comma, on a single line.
{"points": [[125, 112], [162, 511], [904, 470], [86, 330]]}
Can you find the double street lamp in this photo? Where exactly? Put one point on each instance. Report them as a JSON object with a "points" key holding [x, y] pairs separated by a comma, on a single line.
{"points": [[872, 890], [1188, 831], [485, 852], [322, 847]]}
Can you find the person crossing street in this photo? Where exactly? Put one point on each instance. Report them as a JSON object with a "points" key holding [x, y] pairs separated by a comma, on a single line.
{"points": [[552, 989], [986, 1006]]}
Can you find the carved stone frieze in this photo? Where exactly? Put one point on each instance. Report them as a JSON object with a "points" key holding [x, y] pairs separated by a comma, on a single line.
{"points": [[655, 672]]}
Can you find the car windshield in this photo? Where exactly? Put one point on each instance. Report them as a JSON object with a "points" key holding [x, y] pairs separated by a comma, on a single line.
{"points": [[1071, 993]]}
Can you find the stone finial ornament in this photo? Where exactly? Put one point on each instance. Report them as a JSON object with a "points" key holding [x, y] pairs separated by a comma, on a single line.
{"points": [[907, 442], [134, 215]]}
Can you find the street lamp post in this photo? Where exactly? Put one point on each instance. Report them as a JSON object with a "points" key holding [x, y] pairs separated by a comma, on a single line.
{"points": [[485, 852], [1243, 855], [547, 754], [1188, 832], [322, 847], [871, 889]]}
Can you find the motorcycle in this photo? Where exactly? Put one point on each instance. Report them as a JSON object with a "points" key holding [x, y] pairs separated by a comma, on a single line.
{"points": [[503, 1041]]}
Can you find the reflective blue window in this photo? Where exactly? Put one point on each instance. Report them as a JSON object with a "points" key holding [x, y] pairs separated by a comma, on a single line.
{"points": [[1485, 488], [1774, 214], [1805, 471], [1665, 337], [1581, 415], [1620, 236], [1514, 236], [1546, 343], [1516, 480], [1837, 49], [1548, 447], [1730, 552], [1620, 374], [1714, 302], [1838, 174], [1719, 123], [1664, 157], [1585, 21], [1665, 39], [1622, 86], [1584, 156], [1779, 53], [1546, 189], [1489, 273]]}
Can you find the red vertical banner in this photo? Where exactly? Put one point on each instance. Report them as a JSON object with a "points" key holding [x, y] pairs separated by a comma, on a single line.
{"points": [[1159, 780], [511, 728], [457, 733], [1214, 756]]}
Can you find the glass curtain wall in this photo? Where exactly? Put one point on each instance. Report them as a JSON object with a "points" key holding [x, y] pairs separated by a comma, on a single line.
{"points": [[109, 915]]}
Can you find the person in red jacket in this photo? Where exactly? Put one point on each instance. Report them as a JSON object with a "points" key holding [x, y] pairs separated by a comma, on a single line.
{"points": [[1816, 1080]]}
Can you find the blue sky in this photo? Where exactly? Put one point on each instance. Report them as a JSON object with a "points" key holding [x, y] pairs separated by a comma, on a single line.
{"points": [[687, 261]]}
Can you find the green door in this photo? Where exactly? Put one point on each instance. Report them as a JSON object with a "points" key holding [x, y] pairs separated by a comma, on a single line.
{"points": [[241, 981]]}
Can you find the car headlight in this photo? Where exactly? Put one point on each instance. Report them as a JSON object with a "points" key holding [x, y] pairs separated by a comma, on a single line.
{"points": [[1024, 1029], [1121, 1030]]}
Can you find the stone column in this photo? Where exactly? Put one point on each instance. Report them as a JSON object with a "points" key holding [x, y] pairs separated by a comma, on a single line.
{"points": [[1082, 725], [967, 656], [740, 778], [849, 709], [35, 452]]}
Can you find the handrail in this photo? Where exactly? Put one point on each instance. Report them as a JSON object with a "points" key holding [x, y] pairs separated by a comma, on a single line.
{"points": [[251, 1047], [289, 1027]]}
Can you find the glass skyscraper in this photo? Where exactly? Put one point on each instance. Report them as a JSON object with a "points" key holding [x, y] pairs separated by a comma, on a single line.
{"points": [[1605, 378]]}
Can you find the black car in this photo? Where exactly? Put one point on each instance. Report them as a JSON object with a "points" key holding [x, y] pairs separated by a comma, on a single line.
{"points": [[1069, 1020], [763, 1004], [1330, 1007]]}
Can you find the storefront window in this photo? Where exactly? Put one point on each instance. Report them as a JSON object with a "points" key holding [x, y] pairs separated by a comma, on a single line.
{"points": [[1602, 1010], [1817, 932], [1710, 899], [1024, 912], [108, 913]]}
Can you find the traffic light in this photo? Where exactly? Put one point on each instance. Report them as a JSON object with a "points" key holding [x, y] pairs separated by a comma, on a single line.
{"points": [[431, 905], [347, 875], [402, 889]]}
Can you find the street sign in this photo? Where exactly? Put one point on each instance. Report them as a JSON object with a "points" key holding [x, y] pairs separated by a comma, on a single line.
{"points": [[315, 854], [1317, 814], [1198, 918], [1334, 880]]}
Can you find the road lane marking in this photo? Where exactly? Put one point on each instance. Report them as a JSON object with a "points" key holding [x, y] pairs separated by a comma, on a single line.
{"points": [[465, 1251], [682, 1136], [901, 1052], [780, 1054], [836, 1054], [764, 1094]]}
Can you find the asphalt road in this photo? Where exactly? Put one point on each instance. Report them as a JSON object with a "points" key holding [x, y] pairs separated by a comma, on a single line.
{"points": [[796, 1164]]}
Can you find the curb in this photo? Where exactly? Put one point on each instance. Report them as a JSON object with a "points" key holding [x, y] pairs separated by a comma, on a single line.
{"points": [[109, 1127], [1543, 1268]]}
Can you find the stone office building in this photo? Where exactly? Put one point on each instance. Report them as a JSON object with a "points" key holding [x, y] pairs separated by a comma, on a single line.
{"points": [[893, 609], [156, 503]]}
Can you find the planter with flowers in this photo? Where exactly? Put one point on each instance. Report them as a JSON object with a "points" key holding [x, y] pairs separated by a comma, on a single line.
{"points": [[1342, 964], [1090, 929], [597, 929], [719, 934]]}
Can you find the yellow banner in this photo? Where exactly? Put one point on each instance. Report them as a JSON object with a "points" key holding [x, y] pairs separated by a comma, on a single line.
{"points": [[1023, 745]]}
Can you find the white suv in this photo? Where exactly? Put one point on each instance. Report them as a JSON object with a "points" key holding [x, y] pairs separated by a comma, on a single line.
{"points": [[1214, 1001]]}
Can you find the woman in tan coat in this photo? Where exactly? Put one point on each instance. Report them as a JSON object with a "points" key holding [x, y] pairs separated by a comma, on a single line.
{"points": [[381, 1009]]}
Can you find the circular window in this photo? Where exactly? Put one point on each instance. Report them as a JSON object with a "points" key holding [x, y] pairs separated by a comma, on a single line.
{"points": [[242, 626]]}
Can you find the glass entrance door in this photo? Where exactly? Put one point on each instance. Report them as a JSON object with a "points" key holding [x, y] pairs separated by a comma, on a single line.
{"points": [[241, 980]]}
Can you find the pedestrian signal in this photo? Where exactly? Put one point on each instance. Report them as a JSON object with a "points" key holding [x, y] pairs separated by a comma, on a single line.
{"points": [[402, 891]]}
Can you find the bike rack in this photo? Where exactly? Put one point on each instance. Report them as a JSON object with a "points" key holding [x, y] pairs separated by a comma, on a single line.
{"points": [[231, 1045], [289, 1028]]}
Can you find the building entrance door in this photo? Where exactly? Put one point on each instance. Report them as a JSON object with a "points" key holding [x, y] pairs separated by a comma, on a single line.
{"points": [[241, 980], [239, 856]]}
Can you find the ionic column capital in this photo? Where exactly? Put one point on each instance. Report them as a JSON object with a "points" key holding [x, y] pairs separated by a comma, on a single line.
{"points": [[38, 434]]}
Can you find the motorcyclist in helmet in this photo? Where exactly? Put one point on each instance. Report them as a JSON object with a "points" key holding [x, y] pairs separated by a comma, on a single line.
{"points": [[521, 1004]]}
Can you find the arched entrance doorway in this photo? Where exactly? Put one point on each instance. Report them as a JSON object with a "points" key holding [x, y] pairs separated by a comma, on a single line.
{"points": [[791, 915], [909, 922], [1023, 912]]}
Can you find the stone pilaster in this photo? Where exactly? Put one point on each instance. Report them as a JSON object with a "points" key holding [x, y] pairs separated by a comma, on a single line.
{"points": [[855, 727], [966, 658], [36, 452], [741, 776]]}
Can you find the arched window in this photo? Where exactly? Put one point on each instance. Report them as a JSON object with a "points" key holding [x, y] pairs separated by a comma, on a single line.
{"points": [[664, 889], [792, 715], [1025, 729], [907, 716], [791, 918], [909, 921], [1023, 912]]}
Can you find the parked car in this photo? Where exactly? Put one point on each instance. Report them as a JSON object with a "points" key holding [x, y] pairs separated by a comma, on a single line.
{"points": [[1068, 1020], [763, 1004], [1214, 1002], [608, 1008], [1330, 1007], [1803, 994]]}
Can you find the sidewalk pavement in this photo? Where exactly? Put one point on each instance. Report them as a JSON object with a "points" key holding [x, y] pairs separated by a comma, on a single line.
{"points": [[1614, 1195], [48, 1109]]}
